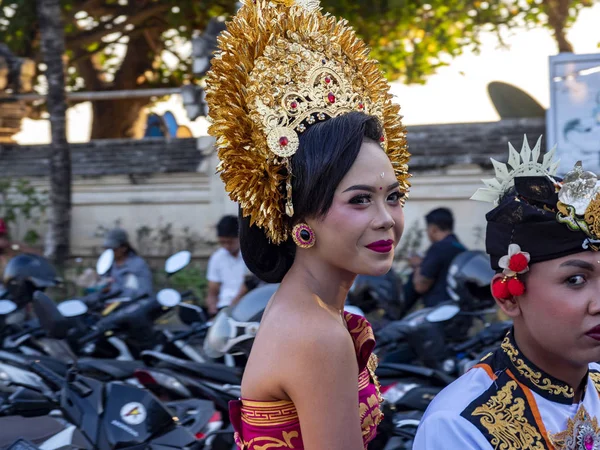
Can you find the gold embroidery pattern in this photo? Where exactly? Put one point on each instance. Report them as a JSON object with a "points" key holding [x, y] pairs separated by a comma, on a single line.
{"points": [[363, 380], [372, 367], [266, 442], [582, 433], [362, 331], [503, 416], [533, 376], [268, 413], [595, 376]]}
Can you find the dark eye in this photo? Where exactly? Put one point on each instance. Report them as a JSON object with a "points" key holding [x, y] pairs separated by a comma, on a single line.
{"points": [[575, 280], [362, 199], [396, 196]]}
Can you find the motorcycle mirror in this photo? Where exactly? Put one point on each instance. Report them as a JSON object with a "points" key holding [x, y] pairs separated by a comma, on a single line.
{"points": [[177, 262], [191, 314], [49, 316], [168, 298], [72, 308], [7, 307], [105, 262], [443, 313]]}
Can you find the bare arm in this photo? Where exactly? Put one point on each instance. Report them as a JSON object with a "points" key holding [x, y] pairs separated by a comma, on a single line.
{"points": [[212, 296], [238, 297], [422, 284], [322, 381]]}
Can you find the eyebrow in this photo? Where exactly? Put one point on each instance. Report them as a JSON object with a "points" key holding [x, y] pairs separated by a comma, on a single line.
{"points": [[578, 263], [364, 187]]}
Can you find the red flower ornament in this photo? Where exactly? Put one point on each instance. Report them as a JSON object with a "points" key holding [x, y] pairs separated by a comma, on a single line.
{"points": [[516, 262], [513, 264]]}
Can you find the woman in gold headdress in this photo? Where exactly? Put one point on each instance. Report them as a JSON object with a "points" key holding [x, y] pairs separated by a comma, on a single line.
{"points": [[313, 150]]}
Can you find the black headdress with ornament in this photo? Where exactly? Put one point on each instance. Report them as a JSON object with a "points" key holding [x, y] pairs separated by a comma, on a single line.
{"points": [[538, 214]]}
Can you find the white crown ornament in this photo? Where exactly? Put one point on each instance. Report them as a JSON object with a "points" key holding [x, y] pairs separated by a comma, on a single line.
{"points": [[523, 163]]}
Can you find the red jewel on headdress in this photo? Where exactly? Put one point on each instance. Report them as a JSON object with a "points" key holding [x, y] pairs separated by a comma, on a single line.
{"points": [[327, 80], [361, 106], [294, 104], [382, 139], [331, 97], [283, 141]]}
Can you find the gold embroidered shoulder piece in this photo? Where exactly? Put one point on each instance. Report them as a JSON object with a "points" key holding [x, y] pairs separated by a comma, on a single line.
{"points": [[503, 416]]}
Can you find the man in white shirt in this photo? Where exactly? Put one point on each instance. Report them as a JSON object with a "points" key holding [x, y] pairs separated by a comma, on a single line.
{"points": [[226, 270]]}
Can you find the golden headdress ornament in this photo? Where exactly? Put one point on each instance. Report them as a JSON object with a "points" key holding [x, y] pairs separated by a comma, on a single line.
{"points": [[282, 65]]}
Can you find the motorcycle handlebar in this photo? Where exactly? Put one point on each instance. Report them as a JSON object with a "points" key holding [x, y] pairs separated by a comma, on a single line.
{"points": [[475, 340], [52, 379], [90, 337]]}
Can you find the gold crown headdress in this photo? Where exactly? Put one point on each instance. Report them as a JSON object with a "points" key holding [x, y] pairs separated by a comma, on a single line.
{"points": [[282, 66]]}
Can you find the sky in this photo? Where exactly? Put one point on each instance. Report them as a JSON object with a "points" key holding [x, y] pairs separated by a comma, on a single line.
{"points": [[456, 94]]}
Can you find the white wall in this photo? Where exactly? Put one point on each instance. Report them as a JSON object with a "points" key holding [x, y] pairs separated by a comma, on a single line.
{"points": [[197, 200]]}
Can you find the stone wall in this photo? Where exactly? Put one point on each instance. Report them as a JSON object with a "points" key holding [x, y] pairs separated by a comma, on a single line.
{"points": [[147, 185]]}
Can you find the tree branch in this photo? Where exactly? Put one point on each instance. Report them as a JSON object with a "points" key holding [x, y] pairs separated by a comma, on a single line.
{"points": [[91, 36], [558, 14]]}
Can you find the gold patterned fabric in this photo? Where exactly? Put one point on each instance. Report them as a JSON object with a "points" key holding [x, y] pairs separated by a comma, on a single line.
{"points": [[503, 416], [263, 425]]}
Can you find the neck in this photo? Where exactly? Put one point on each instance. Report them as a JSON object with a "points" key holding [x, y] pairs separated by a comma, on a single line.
{"points": [[553, 364], [328, 283], [443, 235]]}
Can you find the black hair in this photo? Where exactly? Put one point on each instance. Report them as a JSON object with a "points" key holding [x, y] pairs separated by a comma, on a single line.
{"points": [[442, 218], [326, 153], [228, 226]]}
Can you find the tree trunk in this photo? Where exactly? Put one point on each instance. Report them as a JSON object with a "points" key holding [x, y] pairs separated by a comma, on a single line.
{"points": [[113, 119], [117, 118], [53, 49]]}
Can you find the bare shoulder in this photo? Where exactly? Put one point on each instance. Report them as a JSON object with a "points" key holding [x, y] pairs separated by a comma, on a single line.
{"points": [[295, 342]]}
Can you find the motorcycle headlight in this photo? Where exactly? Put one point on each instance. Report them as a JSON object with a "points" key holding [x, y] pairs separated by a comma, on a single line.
{"points": [[218, 336]]}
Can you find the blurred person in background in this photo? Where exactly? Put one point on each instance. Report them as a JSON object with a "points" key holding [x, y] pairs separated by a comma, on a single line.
{"points": [[428, 280], [130, 275], [227, 271], [9, 248]]}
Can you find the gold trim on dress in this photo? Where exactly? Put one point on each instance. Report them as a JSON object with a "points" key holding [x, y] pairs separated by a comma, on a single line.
{"points": [[268, 413]]}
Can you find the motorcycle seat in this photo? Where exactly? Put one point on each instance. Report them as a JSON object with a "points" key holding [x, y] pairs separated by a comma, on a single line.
{"points": [[35, 429], [208, 371], [115, 369]]}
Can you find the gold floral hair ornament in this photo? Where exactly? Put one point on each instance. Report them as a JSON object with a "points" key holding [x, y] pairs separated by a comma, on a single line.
{"points": [[579, 204], [282, 66]]}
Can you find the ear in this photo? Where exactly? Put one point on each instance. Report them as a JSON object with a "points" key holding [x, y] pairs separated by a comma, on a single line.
{"points": [[509, 306]]}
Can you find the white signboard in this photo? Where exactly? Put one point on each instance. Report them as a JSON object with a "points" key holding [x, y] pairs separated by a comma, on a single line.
{"points": [[573, 120]]}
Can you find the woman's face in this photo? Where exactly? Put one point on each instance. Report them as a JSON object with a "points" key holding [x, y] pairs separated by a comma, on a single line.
{"points": [[366, 220], [561, 306]]}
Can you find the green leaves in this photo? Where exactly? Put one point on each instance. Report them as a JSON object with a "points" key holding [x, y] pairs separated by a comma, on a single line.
{"points": [[411, 38]]}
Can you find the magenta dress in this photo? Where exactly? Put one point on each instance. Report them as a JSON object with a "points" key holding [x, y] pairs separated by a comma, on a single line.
{"points": [[261, 425]]}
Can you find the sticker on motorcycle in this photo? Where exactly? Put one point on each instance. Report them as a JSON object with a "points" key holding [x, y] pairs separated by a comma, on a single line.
{"points": [[133, 413]]}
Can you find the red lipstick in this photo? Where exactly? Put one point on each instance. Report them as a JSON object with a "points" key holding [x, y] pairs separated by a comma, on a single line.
{"points": [[385, 247], [594, 333]]}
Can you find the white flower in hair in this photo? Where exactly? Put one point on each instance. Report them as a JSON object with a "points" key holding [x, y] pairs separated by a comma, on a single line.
{"points": [[516, 262], [520, 164]]}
